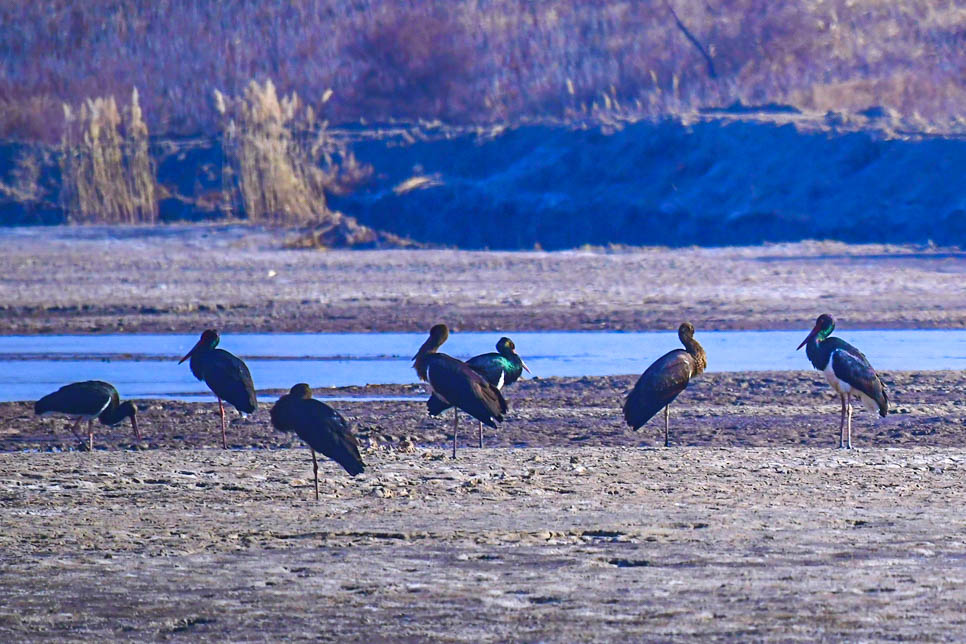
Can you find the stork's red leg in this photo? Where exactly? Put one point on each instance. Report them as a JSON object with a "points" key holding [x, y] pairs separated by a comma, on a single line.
{"points": [[221, 408], [456, 417], [667, 425], [848, 406], [90, 435], [315, 470], [842, 423], [75, 427], [481, 434]]}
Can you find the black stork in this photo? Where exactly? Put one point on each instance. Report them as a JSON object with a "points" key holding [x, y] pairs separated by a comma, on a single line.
{"points": [[86, 401], [323, 428], [453, 383], [225, 374], [847, 370], [664, 380], [499, 369]]}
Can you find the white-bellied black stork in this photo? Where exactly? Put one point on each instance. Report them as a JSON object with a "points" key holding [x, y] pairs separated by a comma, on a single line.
{"points": [[499, 369], [664, 380], [455, 384], [847, 370], [86, 401], [225, 374], [323, 428]]}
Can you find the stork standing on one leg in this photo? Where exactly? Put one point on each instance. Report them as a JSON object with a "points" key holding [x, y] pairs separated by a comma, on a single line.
{"points": [[499, 369], [323, 428], [661, 383], [225, 374], [456, 385], [848, 371]]}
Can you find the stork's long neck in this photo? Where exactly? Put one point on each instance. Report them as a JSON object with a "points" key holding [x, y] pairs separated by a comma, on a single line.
{"points": [[114, 413], [430, 347], [693, 347], [198, 360], [818, 352]]}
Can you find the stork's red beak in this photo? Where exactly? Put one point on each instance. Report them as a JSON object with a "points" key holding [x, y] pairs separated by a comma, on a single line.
{"points": [[811, 335], [134, 423], [525, 367], [193, 349]]}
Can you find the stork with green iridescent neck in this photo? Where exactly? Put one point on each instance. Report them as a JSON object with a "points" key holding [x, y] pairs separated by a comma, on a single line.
{"points": [[499, 369], [848, 371], [456, 385]]}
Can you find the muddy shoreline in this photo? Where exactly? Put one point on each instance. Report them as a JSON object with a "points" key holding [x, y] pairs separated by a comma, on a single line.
{"points": [[181, 279], [742, 409]]}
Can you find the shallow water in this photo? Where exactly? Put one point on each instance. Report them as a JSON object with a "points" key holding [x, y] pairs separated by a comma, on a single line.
{"points": [[146, 366]]}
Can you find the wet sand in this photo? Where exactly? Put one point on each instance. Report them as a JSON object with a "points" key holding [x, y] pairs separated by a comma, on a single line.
{"points": [[751, 527], [236, 278]]}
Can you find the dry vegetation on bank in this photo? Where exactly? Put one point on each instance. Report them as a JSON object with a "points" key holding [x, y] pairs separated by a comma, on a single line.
{"points": [[471, 61]]}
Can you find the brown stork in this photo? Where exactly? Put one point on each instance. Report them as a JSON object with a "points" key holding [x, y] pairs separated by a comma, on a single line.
{"points": [[661, 383], [454, 384], [499, 369]]}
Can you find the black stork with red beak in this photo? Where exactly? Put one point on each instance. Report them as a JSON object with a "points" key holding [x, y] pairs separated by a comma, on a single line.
{"points": [[225, 374], [456, 385], [661, 383], [323, 428], [499, 369], [848, 371], [86, 401]]}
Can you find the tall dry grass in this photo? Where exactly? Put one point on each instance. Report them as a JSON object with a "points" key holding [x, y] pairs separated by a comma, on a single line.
{"points": [[281, 160], [107, 173], [481, 60]]}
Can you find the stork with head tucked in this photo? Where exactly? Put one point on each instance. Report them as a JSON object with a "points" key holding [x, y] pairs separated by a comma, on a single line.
{"points": [[454, 384], [323, 428], [661, 383], [848, 371]]}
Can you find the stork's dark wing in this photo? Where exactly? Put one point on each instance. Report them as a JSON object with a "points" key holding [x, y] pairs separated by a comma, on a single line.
{"points": [[459, 385], [436, 405], [282, 412], [853, 368], [328, 432], [658, 386], [87, 398], [229, 378]]}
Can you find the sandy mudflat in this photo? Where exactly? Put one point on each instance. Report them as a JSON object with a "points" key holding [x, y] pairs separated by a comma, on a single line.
{"points": [[752, 527], [184, 278], [592, 544]]}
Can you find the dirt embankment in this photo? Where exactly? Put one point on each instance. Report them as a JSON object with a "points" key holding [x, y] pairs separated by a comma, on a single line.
{"points": [[236, 278]]}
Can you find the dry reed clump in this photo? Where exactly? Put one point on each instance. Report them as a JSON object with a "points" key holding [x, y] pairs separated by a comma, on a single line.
{"points": [[280, 158], [108, 175]]}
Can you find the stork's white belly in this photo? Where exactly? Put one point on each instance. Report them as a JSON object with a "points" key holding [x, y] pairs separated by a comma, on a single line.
{"points": [[843, 387], [838, 385]]}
